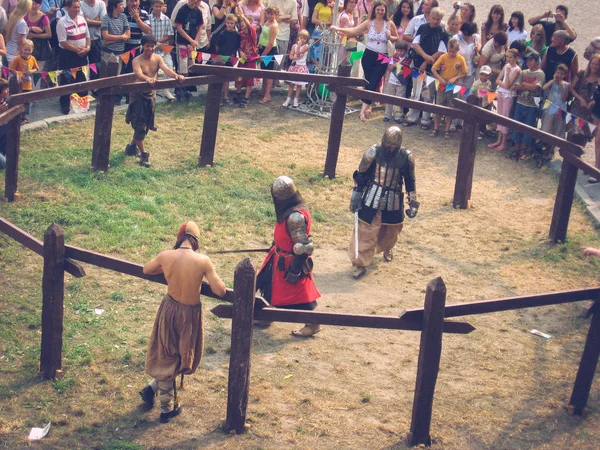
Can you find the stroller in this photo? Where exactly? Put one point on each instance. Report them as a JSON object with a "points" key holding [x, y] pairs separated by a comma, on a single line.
{"points": [[541, 152]]}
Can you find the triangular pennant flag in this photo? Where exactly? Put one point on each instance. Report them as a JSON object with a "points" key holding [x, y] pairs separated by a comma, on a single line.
{"points": [[213, 56], [449, 87], [225, 58], [415, 73], [267, 59], [592, 127], [537, 100], [429, 80], [45, 76], [563, 114], [421, 77], [5, 72], [568, 117], [491, 96], [132, 51], [125, 57], [93, 68], [36, 77], [457, 88], [385, 60], [361, 47], [183, 52], [352, 39], [52, 76], [194, 54], [355, 56], [581, 123], [233, 60], [546, 104], [86, 72], [167, 48], [279, 59], [205, 56], [406, 71], [437, 84], [482, 93], [463, 90]]}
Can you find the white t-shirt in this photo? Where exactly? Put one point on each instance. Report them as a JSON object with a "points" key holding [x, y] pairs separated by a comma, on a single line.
{"points": [[468, 50], [286, 8], [515, 35], [94, 12], [12, 44]]}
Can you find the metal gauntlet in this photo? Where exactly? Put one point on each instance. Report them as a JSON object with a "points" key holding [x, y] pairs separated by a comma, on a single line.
{"points": [[413, 205]]}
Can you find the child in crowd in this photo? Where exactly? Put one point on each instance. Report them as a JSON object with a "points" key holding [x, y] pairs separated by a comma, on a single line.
{"points": [[505, 94], [529, 85], [556, 92], [25, 65], [3, 128], [314, 55], [248, 58], [228, 44], [454, 25], [162, 30], [396, 82], [453, 67], [298, 57], [481, 87]]}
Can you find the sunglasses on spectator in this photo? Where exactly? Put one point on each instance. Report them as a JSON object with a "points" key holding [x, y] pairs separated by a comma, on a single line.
{"points": [[536, 34]]}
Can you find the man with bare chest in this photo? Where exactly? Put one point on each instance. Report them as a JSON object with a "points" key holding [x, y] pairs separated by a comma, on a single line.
{"points": [[141, 104], [177, 338]]}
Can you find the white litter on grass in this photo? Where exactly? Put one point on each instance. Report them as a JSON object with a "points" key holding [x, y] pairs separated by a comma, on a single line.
{"points": [[98, 311], [38, 433], [539, 333]]}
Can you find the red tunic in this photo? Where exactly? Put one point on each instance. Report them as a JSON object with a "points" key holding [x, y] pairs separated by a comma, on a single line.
{"points": [[284, 293]]}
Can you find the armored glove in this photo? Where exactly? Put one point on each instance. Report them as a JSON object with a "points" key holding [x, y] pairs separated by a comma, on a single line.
{"points": [[295, 270], [355, 201], [414, 208]]}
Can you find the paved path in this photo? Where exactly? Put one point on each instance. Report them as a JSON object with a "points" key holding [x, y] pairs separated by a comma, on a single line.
{"points": [[48, 111]]}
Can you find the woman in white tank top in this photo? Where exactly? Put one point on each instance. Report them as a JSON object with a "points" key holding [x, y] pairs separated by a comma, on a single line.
{"points": [[379, 30]]}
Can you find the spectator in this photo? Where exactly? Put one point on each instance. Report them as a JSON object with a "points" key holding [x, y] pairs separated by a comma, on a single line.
{"points": [[228, 45], [74, 40], [139, 24], [288, 14], [559, 52], [529, 85], [298, 56], [364, 8], [454, 26], [93, 11], [452, 67], [248, 59], [255, 11], [2, 49], [467, 13], [493, 24], [396, 82], [483, 84], [592, 48], [583, 86], [379, 30], [492, 55], [314, 54], [392, 6], [556, 92], [267, 47], [413, 26], [558, 23], [9, 6], [206, 34], [469, 45], [25, 65], [537, 40], [505, 95], [162, 30], [115, 32], [220, 10], [429, 44], [39, 33], [401, 18], [17, 29], [323, 13], [189, 22], [516, 27]]}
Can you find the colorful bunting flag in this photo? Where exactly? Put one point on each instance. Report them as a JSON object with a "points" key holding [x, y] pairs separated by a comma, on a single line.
{"points": [[93, 68], [279, 59], [537, 100], [167, 48], [457, 88], [132, 51], [356, 56], [205, 56], [592, 127], [225, 58], [5, 72], [437, 84], [45, 76], [86, 72], [463, 90], [406, 71], [361, 47], [233, 60], [429, 80], [491, 96], [449, 87], [125, 57], [267, 59], [52, 76], [415, 73], [183, 52]]}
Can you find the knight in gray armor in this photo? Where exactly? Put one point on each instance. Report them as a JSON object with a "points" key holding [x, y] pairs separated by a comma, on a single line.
{"points": [[285, 278], [378, 200]]}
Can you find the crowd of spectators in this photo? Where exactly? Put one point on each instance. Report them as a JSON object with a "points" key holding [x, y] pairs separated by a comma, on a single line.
{"points": [[406, 47]]}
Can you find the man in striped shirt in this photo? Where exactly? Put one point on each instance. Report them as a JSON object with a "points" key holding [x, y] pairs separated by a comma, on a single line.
{"points": [[74, 40]]}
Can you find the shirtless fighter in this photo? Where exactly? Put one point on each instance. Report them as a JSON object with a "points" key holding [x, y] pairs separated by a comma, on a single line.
{"points": [[177, 338], [141, 104]]}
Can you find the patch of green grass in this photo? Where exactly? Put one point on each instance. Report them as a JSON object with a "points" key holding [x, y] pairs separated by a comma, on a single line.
{"points": [[122, 445], [80, 354], [62, 385]]}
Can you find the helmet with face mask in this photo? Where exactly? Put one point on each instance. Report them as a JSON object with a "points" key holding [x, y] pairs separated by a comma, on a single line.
{"points": [[392, 140], [286, 197]]}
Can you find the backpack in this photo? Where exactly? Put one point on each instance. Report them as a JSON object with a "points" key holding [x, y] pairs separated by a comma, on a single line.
{"points": [[54, 38]]}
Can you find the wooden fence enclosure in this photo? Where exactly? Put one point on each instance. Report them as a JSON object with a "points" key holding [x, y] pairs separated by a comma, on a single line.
{"points": [[245, 307]]}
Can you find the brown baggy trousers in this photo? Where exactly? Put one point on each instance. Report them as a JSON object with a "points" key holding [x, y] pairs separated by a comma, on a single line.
{"points": [[373, 238]]}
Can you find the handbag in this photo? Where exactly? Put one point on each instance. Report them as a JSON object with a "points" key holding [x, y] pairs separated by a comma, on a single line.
{"points": [[42, 50]]}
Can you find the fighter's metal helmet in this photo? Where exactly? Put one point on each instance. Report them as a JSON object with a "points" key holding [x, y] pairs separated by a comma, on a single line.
{"points": [[392, 139], [286, 197], [283, 188]]}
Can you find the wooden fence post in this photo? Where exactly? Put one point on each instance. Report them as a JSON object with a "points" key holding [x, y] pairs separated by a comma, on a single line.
{"points": [[52, 302], [13, 148], [103, 121], [428, 366], [587, 367], [211, 125], [563, 202], [244, 284], [338, 111], [466, 160]]}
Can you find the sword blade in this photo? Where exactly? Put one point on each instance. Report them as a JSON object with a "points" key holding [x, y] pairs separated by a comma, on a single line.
{"points": [[356, 235]]}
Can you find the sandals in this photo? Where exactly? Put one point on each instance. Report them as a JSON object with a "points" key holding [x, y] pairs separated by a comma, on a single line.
{"points": [[447, 135], [243, 102], [227, 102], [307, 331], [264, 100], [434, 133], [424, 127]]}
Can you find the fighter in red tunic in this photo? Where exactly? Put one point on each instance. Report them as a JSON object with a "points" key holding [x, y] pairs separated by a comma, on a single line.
{"points": [[285, 278]]}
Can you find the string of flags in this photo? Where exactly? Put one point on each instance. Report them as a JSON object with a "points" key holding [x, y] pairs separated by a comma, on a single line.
{"points": [[53, 76]]}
